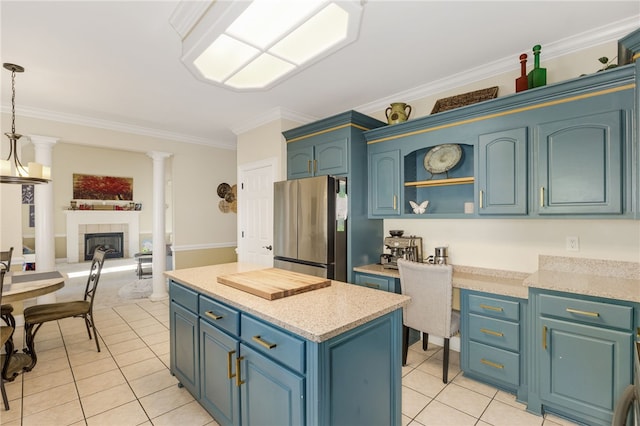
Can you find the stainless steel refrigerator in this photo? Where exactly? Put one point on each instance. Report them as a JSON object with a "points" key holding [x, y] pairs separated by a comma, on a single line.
{"points": [[309, 236]]}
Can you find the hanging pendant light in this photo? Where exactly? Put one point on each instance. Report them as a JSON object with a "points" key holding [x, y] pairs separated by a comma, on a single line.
{"points": [[11, 169]]}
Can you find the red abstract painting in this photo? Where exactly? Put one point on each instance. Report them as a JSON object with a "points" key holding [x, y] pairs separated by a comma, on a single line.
{"points": [[92, 187]]}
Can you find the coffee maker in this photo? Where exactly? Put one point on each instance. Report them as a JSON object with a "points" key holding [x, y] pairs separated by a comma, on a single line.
{"points": [[400, 247]]}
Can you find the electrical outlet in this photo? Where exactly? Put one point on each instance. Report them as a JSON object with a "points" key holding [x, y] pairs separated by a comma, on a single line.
{"points": [[573, 244]]}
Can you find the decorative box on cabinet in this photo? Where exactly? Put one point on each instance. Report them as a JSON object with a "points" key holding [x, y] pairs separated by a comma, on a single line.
{"points": [[336, 146], [493, 343], [582, 348], [502, 172], [250, 371]]}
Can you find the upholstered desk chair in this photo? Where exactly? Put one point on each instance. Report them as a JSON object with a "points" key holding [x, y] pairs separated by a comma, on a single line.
{"points": [[35, 316], [430, 309], [6, 310], [5, 340]]}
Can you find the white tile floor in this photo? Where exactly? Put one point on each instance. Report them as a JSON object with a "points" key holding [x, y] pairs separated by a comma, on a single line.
{"points": [[128, 382]]}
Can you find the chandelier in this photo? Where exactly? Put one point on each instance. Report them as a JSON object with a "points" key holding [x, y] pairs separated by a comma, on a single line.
{"points": [[11, 169]]}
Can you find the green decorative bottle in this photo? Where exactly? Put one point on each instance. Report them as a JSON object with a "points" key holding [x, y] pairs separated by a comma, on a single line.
{"points": [[537, 76]]}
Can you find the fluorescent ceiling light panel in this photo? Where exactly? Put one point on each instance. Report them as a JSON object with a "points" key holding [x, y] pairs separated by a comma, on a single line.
{"points": [[320, 33], [259, 73], [266, 21], [223, 57]]}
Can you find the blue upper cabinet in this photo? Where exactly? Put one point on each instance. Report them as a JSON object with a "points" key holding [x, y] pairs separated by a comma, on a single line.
{"points": [[311, 158], [502, 173], [384, 183], [580, 165], [566, 149]]}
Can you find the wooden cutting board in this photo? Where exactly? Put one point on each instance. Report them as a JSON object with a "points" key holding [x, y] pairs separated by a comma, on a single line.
{"points": [[273, 283]]}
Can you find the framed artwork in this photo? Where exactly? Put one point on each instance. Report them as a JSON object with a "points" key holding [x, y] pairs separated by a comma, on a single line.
{"points": [[27, 194], [94, 187]]}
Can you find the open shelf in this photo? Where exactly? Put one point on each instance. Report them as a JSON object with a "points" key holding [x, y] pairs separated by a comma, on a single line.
{"points": [[442, 182]]}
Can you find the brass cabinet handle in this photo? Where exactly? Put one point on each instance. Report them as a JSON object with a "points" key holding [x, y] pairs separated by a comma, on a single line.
{"points": [[491, 332], [372, 285], [395, 202], [585, 313], [542, 196], [264, 343], [480, 198], [238, 381], [491, 364], [491, 308], [229, 355], [213, 316], [309, 166], [544, 337]]}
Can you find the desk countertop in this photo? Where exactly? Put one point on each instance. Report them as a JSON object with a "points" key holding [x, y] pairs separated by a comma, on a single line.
{"points": [[592, 277]]}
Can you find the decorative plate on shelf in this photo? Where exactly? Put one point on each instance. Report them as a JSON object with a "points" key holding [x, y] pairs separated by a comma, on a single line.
{"points": [[442, 158]]}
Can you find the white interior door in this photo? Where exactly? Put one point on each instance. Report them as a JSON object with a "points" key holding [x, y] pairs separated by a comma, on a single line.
{"points": [[255, 212]]}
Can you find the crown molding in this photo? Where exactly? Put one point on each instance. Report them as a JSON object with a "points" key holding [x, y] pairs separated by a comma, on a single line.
{"points": [[80, 120], [273, 114], [573, 44]]}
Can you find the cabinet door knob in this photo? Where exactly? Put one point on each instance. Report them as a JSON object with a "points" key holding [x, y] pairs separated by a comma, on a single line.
{"points": [[213, 316], [229, 355], [480, 198], [395, 202], [238, 364], [542, 196], [544, 337], [264, 343]]}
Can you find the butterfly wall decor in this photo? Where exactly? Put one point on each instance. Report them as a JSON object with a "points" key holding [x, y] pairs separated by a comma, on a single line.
{"points": [[419, 208]]}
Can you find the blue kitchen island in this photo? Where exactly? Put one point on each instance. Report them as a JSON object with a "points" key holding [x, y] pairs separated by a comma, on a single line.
{"points": [[329, 356]]}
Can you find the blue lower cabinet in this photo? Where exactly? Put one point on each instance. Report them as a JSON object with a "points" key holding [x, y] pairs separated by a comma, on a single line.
{"points": [[378, 282], [184, 342], [219, 394], [246, 371], [270, 393], [583, 348]]}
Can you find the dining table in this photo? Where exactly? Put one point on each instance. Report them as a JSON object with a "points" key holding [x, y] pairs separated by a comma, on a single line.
{"points": [[22, 285]]}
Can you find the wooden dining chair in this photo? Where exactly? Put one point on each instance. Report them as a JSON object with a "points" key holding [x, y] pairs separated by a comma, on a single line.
{"points": [[6, 310], [35, 316], [430, 309], [6, 333]]}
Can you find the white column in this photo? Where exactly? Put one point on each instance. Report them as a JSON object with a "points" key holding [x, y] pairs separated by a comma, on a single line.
{"points": [[159, 245], [43, 209]]}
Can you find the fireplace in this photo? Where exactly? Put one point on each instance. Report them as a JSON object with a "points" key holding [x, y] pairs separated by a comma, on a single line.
{"points": [[113, 241]]}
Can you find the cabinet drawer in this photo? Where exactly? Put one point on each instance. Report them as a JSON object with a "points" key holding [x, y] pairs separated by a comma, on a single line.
{"points": [[497, 308], [220, 315], [599, 313], [496, 363], [269, 340], [370, 281], [494, 332], [183, 296]]}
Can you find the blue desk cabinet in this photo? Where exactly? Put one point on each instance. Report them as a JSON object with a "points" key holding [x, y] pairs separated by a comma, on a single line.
{"points": [[493, 343], [502, 172], [378, 282], [582, 348], [250, 372], [580, 164], [384, 183], [335, 146]]}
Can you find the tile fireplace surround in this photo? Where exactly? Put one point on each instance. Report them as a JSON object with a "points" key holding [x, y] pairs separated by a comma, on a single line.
{"points": [[80, 222]]}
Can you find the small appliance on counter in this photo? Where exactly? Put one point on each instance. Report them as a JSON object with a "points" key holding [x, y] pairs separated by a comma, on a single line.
{"points": [[400, 247], [440, 257]]}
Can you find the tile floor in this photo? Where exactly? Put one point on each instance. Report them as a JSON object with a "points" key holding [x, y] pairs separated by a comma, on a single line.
{"points": [[128, 382]]}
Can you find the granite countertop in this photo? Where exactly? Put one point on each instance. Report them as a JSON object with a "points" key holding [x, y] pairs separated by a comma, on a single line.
{"points": [[496, 281], [316, 315], [592, 277]]}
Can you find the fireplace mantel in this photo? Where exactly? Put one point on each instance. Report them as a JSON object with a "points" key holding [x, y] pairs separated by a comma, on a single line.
{"points": [[75, 218]]}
